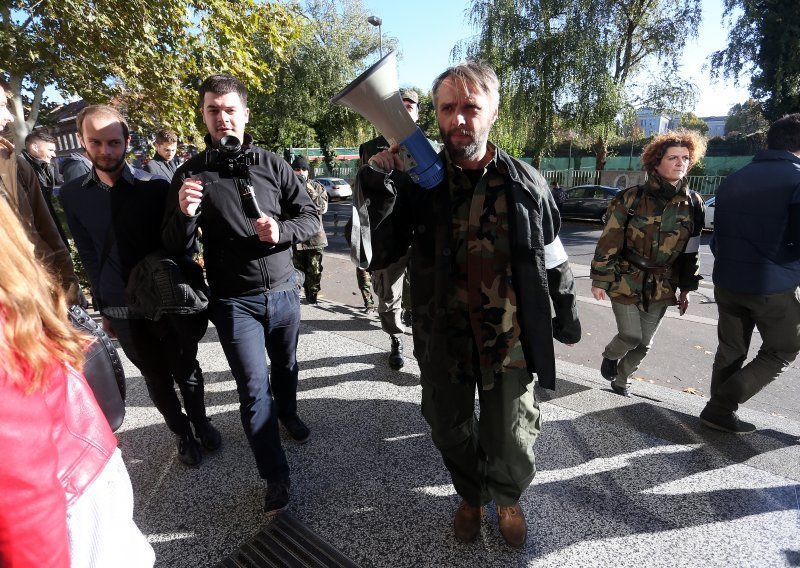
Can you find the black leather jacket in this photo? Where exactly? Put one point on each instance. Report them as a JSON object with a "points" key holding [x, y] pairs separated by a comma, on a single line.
{"points": [[236, 261], [44, 171]]}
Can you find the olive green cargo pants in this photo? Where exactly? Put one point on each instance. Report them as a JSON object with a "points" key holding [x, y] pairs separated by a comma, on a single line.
{"points": [[490, 458]]}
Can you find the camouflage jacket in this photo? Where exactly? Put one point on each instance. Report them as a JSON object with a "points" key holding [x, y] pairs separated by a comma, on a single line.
{"points": [[319, 198], [396, 212], [659, 231]]}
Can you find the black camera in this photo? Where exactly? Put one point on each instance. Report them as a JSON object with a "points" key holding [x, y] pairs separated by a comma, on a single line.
{"points": [[229, 160]]}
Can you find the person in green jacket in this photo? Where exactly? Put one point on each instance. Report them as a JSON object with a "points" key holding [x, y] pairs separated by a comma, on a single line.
{"points": [[646, 258]]}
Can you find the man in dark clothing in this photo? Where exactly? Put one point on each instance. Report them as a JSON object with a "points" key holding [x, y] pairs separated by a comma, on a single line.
{"points": [[559, 194], [75, 166], [40, 149], [307, 255], [480, 295], [249, 224], [756, 248], [165, 161], [389, 283], [115, 215]]}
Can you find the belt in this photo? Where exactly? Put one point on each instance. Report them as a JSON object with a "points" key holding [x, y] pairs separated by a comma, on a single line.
{"points": [[644, 264]]}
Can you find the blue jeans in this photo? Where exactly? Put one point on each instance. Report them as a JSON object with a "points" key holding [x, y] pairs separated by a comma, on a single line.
{"points": [[246, 324]]}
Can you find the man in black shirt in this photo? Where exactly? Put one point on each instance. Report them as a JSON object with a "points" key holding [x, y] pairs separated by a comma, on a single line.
{"points": [[115, 215]]}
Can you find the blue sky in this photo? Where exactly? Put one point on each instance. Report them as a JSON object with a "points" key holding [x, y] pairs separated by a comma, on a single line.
{"points": [[427, 30]]}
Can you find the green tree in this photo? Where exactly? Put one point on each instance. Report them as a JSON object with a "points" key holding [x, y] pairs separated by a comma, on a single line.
{"points": [[691, 121], [576, 59], [763, 41], [746, 118], [335, 44], [147, 57]]}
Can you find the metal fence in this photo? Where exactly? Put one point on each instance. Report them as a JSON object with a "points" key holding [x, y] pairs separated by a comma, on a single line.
{"points": [[344, 172], [704, 185]]}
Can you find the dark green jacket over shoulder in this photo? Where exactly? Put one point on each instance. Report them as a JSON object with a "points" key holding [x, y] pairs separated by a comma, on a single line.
{"points": [[394, 212]]}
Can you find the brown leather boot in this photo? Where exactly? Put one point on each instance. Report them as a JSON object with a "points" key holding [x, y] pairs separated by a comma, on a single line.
{"points": [[467, 521], [512, 525]]}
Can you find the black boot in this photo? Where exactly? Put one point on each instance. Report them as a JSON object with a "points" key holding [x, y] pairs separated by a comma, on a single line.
{"points": [[608, 368], [189, 450], [396, 356], [209, 436]]}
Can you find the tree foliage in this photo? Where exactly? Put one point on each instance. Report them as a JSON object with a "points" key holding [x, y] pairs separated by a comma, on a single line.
{"points": [[764, 41], [746, 118], [578, 60], [691, 121], [335, 45], [148, 57]]}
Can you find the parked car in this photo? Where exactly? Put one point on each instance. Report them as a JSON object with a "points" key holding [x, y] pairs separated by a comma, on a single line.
{"points": [[588, 202], [709, 224], [336, 188]]}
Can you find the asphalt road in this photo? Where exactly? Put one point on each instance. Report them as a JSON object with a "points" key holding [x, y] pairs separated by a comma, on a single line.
{"points": [[684, 348]]}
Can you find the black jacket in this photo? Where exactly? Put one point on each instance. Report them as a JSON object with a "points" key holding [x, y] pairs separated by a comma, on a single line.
{"points": [[132, 209], [74, 166], [161, 167], [756, 241], [44, 172], [236, 261]]}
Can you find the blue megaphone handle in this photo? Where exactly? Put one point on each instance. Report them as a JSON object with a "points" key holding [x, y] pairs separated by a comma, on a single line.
{"points": [[428, 170]]}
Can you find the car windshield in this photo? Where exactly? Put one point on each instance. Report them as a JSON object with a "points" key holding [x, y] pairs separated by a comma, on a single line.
{"points": [[338, 181]]}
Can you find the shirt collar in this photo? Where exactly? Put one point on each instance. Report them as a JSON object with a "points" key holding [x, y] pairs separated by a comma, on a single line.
{"points": [[490, 147], [127, 176]]}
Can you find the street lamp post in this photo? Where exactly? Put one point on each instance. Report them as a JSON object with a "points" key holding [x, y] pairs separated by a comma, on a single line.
{"points": [[376, 21]]}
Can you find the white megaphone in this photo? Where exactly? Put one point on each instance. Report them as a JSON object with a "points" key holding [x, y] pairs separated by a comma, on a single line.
{"points": [[374, 95]]}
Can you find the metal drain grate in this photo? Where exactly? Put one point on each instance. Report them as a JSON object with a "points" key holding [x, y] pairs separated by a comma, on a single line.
{"points": [[286, 542]]}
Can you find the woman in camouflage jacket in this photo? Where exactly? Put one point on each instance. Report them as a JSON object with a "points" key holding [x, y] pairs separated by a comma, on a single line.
{"points": [[648, 251]]}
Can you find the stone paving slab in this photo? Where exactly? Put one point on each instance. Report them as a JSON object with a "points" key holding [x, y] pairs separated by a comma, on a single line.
{"points": [[621, 482]]}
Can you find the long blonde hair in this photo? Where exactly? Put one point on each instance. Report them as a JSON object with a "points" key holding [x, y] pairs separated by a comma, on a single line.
{"points": [[35, 335]]}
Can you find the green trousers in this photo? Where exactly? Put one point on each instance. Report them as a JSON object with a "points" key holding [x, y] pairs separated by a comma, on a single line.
{"points": [[635, 332], [489, 458], [777, 318], [309, 261], [364, 281]]}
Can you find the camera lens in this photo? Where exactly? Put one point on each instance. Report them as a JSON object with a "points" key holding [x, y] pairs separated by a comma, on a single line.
{"points": [[230, 144]]}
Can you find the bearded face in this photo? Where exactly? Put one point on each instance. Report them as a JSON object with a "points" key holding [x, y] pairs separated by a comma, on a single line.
{"points": [[465, 117]]}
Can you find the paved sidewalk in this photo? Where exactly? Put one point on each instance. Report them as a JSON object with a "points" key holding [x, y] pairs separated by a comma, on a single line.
{"points": [[621, 482]]}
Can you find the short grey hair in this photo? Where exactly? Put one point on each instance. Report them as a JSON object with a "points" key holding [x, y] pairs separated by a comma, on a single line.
{"points": [[471, 72]]}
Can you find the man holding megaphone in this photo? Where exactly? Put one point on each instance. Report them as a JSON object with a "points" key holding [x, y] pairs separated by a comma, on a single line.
{"points": [[481, 294]]}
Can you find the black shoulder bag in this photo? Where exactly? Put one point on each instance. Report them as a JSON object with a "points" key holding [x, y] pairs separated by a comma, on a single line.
{"points": [[102, 368]]}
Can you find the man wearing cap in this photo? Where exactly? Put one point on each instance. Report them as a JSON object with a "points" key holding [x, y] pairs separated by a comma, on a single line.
{"points": [[307, 255], [388, 282]]}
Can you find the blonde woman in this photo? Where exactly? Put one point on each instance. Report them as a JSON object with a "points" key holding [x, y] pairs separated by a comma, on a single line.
{"points": [[646, 258], [65, 496]]}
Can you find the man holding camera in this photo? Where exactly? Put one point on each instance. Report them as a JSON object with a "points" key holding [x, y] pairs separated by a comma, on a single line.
{"points": [[251, 208]]}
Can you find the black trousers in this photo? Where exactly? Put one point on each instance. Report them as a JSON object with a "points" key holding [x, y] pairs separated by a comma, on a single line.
{"points": [[165, 352]]}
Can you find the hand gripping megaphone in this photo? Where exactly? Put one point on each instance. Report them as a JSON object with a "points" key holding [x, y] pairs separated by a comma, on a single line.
{"points": [[374, 95]]}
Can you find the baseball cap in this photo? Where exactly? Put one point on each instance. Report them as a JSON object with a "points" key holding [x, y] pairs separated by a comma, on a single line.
{"points": [[409, 94]]}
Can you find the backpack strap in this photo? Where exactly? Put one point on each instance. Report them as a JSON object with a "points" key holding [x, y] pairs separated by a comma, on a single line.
{"points": [[631, 212], [698, 217]]}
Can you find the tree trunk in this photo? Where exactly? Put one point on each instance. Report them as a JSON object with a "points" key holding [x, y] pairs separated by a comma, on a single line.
{"points": [[600, 152]]}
